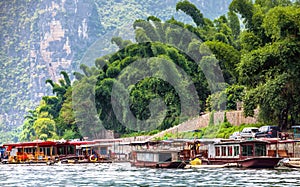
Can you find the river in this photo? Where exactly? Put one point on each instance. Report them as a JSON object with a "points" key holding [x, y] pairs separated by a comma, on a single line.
{"points": [[122, 174]]}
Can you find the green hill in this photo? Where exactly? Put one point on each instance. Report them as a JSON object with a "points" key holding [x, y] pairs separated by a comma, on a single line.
{"points": [[41, 38]]}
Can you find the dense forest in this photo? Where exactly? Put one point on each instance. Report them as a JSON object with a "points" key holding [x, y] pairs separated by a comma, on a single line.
{"points": [[39, 39], [175, 70]]}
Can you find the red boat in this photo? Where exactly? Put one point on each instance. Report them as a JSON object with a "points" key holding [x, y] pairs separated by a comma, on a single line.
{"points": [[241, 153], [51, 152]]}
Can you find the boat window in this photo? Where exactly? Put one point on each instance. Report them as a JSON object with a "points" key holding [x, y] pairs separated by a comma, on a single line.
{"points": [[247, 150], [53, 151], [70, 150], [149, 157], [103, 150], [145, 157], [223, 151], [229, 151], [236, 150], [164, 157], [30, 150], [61, 150], [48, 151], [217, 151], [139, 156], [260, 150]]}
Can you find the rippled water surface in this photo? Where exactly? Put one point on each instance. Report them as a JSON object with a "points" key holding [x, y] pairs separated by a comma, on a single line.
{"points": [[122, 174]]}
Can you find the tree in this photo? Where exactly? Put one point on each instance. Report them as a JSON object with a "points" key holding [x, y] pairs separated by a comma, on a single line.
{"points": [[234, 24], [245, 8], [191, 10], [271, 71], [28, 132], [45, 128]]}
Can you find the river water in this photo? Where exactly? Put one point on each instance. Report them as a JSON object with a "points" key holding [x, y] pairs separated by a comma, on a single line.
{"points": [[122, 174]]}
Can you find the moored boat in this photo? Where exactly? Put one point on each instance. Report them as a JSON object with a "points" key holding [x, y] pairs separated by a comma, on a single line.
{"points": [[159, 154], [52, 152], [240, 153], [290, 163]]}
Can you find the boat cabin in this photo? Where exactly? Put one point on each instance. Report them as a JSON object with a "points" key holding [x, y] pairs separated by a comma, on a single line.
{"points": [[238, 149], [159, 154], [38, 151]]}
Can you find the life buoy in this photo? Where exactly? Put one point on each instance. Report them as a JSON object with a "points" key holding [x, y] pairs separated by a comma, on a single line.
{"points": [[93, 158]]}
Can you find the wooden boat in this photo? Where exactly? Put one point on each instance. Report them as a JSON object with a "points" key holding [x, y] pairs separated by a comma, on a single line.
{"points": [[240, 153], [159, 154], [30, 152], [51, 152], [89, 152]]}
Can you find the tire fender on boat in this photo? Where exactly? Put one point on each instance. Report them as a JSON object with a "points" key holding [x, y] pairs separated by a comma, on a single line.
{"points": [[93, 158]]}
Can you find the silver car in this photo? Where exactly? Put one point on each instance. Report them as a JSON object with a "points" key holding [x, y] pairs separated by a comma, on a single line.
{"points": [[249, 132]]}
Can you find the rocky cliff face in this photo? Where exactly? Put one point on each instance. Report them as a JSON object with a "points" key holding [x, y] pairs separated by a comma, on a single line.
{"points": [[41, 38], [38, 40]]}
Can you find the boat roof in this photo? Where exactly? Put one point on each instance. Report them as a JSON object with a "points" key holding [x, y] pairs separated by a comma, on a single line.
{"points": [[229, 141], [81, 142], [41, 143], [192, 141], [107, 140], [31, 144], [277, 140]]}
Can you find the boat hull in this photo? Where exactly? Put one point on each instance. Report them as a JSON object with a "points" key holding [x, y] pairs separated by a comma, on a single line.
{"points": [[172, 164], [251, 162], [260, 162]]}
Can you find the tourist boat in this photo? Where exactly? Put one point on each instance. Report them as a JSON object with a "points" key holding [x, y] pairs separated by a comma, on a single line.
{"points": [[52, 152], [30, 152], [239, 153], [157, 154]]}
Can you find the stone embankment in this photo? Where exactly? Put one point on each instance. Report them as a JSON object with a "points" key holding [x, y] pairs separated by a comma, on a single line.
{"points": [[233, 117]]}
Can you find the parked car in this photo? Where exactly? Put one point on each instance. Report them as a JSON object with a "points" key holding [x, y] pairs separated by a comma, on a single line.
{"points": [[235, 135], [268, 132], [249, 132]]}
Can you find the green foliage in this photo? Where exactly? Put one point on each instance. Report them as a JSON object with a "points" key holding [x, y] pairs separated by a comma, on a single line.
{"points": [[258, 66], [224, 130], [45, 128], [234, 24], [281, 22], [211, 119], [269, 70], [191, 10], [8, 135], [245, 8], [23, 48], [54, 116]]}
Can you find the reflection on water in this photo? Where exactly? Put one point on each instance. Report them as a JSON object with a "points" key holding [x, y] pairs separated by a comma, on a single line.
{"points": [[122, 174]]}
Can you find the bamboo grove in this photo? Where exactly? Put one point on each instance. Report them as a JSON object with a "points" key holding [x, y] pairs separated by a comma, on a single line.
{"points": [[256, 46]]}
